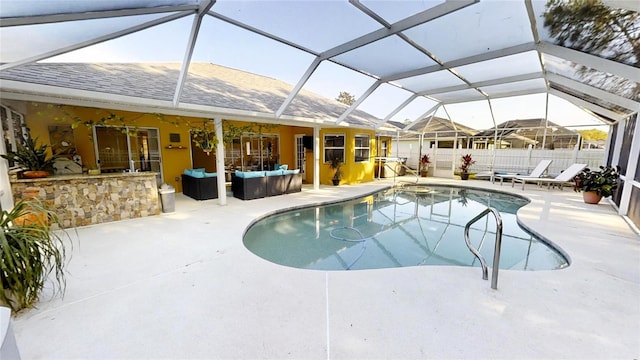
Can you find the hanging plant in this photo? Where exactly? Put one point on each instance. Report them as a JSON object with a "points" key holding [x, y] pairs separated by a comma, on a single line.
{"points": [[204, 138]]}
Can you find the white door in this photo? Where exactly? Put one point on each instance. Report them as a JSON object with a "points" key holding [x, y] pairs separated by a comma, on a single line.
{"points": [[300, 158]]}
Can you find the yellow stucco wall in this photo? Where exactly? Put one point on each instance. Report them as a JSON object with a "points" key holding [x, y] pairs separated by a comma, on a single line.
{"points": [[174, 160], [352, 172], [40, 116]]}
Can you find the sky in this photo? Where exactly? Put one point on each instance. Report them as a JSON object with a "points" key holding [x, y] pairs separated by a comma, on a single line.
{"points": [[227, 45]]}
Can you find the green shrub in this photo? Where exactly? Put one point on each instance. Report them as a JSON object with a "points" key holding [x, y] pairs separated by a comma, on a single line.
{"points": [[30, 251]]}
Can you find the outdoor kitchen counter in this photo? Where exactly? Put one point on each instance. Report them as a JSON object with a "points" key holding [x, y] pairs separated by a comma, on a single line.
{"points": [[81, 199]]}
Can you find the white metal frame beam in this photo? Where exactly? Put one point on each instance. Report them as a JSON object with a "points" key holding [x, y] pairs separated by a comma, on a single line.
{"points": [[420, 18], [389, 29], [534, 32], [595, 92], [95, 41], [499, 96], [587, 105], [462, 61], [370, 13], [55, 18], [357, 103], [613, 67], [205, 5], [505, 80], [397, 110], [303, 80], [260, 32], [431, 110]]}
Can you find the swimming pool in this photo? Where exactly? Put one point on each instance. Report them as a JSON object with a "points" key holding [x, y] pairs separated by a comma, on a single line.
{"points": [[398, 227]]}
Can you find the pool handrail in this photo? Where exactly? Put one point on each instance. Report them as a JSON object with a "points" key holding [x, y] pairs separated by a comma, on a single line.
{"points": [[498, 246]]}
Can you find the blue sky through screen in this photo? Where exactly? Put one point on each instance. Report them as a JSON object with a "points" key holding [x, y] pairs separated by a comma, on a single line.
{"points": [[227, 45]]}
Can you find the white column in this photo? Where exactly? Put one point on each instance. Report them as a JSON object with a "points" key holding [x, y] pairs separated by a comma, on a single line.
{"points": [[435, 154], [222, 188], [632, 165], [6, 195], [546, 122], [495, 143], [607, 148], [316, 158], [576, 150], [617, 146]]}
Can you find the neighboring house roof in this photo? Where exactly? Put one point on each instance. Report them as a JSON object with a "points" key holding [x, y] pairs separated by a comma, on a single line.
{"points": [[529, 128], [208, 85], [442, 128]]}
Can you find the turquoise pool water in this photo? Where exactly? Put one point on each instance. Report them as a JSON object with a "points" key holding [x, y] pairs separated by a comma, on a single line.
{"points": [[410, 226]]}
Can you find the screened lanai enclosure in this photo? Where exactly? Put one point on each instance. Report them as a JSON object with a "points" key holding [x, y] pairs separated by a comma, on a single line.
{"points": [[481, 66]]}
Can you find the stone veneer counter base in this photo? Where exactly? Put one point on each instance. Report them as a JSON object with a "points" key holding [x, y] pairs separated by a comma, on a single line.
{"points": [[81, 200]]}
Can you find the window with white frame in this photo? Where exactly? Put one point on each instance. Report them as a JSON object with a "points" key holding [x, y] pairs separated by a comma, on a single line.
{"points": [[362, 148], [14, 130], [333, 147], [384, 148]]}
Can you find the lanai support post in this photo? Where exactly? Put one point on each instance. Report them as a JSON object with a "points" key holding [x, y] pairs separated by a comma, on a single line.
{"points": [[632, 166], [546, 123], [378, 148], [316, 158], [495, 142], [222, 187], [456, 146]]}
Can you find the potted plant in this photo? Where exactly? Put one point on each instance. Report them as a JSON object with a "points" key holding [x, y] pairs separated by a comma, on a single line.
{"points": [[336, 164], [424, 165], [31, 251], [32, 158], [466, 162], [596, 184]]}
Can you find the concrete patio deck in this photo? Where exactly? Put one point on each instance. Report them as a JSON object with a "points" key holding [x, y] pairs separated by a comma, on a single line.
{"points": [[182, 285]]}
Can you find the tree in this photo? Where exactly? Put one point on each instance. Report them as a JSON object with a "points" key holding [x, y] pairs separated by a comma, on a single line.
{"points": [[593, 134], [592, 27], [346, 98]]}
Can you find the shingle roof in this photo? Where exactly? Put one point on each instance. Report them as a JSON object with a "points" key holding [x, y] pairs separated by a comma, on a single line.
{"points": [[527, 127], [207, 84], [443, 127]]}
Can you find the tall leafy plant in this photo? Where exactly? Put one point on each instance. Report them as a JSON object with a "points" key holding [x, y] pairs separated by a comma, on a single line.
{"points": [[31, 156], [30, 251]]}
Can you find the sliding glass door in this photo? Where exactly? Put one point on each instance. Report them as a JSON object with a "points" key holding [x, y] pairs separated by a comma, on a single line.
{"points": [[128, 149]]}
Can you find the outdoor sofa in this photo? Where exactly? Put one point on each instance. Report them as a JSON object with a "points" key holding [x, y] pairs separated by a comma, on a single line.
{"points": [[200, 185], [248, 185]]}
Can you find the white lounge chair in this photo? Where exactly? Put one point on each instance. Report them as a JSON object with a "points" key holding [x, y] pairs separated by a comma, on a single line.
{"points": [[565, 177], [537, 172]]}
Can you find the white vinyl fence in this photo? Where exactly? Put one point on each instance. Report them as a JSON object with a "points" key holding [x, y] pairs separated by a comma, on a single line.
{"points": [[522, 161]]}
